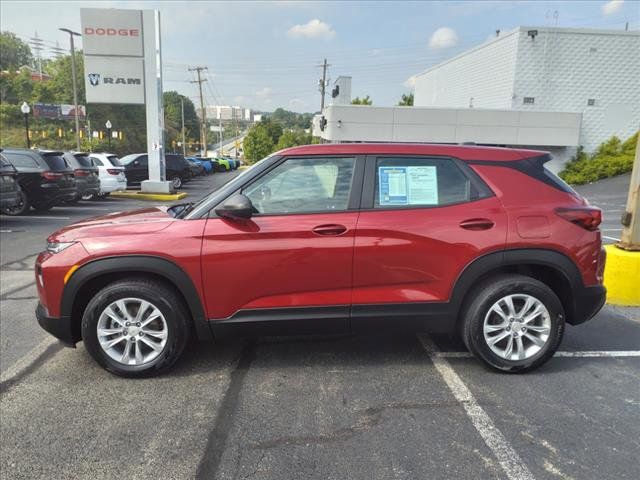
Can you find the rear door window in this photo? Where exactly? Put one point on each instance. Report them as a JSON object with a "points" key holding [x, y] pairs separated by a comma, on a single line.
{"points": [[422, 182], [56, 162]]}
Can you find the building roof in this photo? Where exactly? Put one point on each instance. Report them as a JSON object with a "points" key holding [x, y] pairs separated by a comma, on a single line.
{"points": [[463, 152]]}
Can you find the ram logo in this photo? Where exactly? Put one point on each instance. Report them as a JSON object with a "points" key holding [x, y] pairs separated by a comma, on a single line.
{"points": [[94, 79]]}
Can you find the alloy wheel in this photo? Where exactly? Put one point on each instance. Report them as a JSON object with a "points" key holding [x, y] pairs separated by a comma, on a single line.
{"points": [[517, 327], [132, 331]]}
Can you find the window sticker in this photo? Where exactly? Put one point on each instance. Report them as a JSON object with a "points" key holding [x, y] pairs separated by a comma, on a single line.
{"points": [[408, 185]]}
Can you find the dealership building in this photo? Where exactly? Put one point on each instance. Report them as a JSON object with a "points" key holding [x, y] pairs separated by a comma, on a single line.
{"points": [[543, 88]]}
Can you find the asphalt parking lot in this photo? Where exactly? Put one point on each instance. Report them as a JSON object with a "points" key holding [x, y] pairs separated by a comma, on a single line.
{"points": [[358, 406]]}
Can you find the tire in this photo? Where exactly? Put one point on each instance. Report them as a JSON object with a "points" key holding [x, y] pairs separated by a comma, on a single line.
{"points": [[74, 200], [21, 208], [479, 316], [176, 182], [173, 320], [88, 196]]}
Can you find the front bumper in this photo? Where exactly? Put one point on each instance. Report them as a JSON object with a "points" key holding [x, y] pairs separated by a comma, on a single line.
{"points": [[588, 303], [58, 327]]}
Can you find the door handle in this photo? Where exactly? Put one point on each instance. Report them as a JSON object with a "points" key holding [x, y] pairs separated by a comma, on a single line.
{"points": [[329, 230], [477, 224]]}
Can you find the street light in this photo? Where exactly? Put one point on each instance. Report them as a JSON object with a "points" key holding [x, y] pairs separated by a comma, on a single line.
{"points": [[108, 125], [73, 78], [24, 108]]}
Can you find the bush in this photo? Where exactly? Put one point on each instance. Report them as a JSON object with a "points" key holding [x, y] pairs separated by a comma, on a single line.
{"points": [[611, 158]]}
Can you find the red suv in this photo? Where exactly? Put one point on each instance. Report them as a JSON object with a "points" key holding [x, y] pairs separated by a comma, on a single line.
{"points": [[336, 238]]}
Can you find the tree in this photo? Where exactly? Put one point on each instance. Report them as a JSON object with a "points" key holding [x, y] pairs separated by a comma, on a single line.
{"points": [[293, 138], [258, 143], [62, 81], [291, 120], [406, 100], [173, 118], [274, 130], [14, 53], [362, 101]]}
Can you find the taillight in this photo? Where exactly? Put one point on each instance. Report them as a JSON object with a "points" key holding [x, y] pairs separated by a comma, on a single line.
{"points": [[113, 171], [52, 175], [82, 173], [586, 217]]}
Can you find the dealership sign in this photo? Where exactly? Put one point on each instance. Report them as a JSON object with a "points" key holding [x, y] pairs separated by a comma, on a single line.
{"points": [[57, 112], [113, 55]]}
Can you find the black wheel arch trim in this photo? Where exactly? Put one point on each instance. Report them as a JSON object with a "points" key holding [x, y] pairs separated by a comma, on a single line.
{"points": [[159, 266], [489, 262]]}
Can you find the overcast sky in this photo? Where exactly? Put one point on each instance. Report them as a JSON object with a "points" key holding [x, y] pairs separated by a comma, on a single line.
{"points": [[264, 55]]}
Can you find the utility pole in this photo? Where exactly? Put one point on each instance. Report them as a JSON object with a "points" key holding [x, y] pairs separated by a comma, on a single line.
{"points": [[184, 146], [630, 239], [323, 83], [75, 83], [203, 127]]}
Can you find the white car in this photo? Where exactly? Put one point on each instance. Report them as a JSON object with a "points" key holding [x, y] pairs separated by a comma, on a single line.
{"points": [[112, 177]]}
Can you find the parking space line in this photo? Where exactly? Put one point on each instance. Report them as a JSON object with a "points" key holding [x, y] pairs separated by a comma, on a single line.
{"points": [[35, 217], [509, 460], [611, 238], [561, 354]]}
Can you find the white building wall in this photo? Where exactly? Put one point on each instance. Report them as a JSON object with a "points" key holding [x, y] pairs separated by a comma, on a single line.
{"points": [[484, 74], [564, 68]]}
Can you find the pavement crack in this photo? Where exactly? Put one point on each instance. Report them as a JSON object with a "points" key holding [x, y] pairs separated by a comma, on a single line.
{"points": [[217, 439], [5, 296], [368, 419]]}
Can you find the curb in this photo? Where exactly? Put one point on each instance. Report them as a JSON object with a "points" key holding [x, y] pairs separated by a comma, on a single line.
{"points": [[622, 276], [163, 197]]}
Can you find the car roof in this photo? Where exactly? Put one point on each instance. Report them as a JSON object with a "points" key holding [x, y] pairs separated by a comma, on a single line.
{"points": [[463, 152]]}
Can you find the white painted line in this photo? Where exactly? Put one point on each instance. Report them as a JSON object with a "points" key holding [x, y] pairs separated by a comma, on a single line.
{"points": [[611, 238], [34, 217], [611, 229], [563, 354], [6, 231], [509, 460], [25, 361]]}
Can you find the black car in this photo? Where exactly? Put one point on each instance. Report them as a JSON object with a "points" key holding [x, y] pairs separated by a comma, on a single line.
{"points": [[9, 189], [196, 168], [136, 168], [45, 179], [86, 174]]}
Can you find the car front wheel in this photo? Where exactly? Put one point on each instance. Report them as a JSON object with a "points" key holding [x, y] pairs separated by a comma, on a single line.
{"points": [[135, 328], [514, 323], [20, 207]]}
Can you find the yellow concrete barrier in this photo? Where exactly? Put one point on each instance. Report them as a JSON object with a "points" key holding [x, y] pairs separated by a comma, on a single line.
{"points": [[161, 197], [622, 276]]}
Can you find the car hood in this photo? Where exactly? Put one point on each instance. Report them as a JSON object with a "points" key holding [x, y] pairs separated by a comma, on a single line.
{"points": [[146, 220]]}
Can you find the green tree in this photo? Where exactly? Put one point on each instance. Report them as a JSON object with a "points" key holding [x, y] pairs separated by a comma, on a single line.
{"points": [[173, 119], [258, 143], [62, 80], [362, 101], [406, 100], [14, 53], [293, 138]]}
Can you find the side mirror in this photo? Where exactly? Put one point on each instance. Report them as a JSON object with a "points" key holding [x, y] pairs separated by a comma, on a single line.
{"points": [[236, 207]]}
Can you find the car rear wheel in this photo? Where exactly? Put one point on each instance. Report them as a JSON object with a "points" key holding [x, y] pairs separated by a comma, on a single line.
{"points": [[513, 323], [135, 328], [176, 181], [20, 208]]}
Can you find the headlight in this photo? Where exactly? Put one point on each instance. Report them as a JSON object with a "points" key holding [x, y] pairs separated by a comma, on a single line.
{"points": [[57, 247]]}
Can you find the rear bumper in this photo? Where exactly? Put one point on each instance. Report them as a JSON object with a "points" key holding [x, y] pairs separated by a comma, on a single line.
{"points": [[108, 185], [588, 303], [58, 327]]}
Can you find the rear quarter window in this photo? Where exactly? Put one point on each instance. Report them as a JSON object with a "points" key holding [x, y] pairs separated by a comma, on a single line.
{"points": [[22, 160]]}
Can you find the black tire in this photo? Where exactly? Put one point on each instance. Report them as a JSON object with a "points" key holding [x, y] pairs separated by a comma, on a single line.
{"points": [[176, 182], [21, 208], [485, 295], [160, 295]]}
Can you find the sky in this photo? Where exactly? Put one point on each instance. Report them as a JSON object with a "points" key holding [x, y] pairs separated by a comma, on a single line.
{"points": [[265, 55]]}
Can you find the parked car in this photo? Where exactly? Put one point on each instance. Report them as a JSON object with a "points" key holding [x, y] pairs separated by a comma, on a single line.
{"points": [[177, 169], [206, 163], [86, 175], [223, 164], [45, 179], [111, 173], [233, 163], [196, 167], [9, 189], [342, 237]]}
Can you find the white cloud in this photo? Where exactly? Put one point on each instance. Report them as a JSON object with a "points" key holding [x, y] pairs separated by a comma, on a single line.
{"points": [[264, 92], [297, 103], [444, 37], [612, 6], [312, 29], [410, 82]]}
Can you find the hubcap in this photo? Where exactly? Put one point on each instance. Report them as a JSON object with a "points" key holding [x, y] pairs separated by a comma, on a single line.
{"points": [[517, 327], [177, 182], [132, 331]]}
